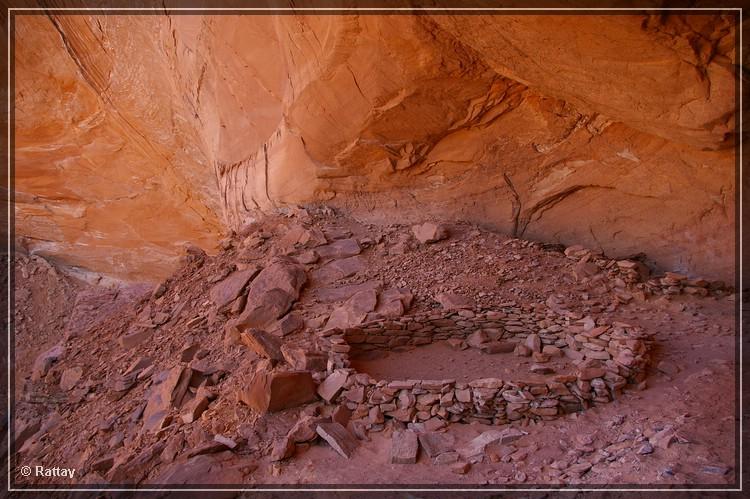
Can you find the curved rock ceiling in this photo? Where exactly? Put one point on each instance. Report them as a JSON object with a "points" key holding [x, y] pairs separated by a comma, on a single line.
{"points": [[136, 134]]}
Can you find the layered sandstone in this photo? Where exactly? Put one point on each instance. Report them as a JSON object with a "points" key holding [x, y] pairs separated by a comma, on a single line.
{"points": [[135, 134]]}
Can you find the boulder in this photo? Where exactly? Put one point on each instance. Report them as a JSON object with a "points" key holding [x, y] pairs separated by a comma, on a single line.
{"points": [[302, 359], [262, 343], [354, 311], [271, 295], [226, 291], [342, 248], [393, 302], [272, 392], [429, 232]]}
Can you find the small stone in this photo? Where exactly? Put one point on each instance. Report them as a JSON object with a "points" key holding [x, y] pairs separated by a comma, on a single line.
{"points": [[540, 357], [540, 369], [715, 470], [70, 378], [283, 448], [446, 458], [341, 415], [590, 373], [460, 468], [434, 424], [495, 347], [290, 323], [375, 415], [463, 395], [102, 464], [522, 350], [231, 444], [477, 338], [305, 429], [646, 448], [303, 360], [457, 344], [45, 360], [578, 469], [533, 343], [226, 291], [196, 407], [453, 301]]}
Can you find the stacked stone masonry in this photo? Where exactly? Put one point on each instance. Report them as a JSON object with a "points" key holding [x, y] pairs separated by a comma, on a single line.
{"points": [[607, 358]]}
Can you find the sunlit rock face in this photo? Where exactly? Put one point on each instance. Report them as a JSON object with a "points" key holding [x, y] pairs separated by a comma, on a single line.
{"points": [[136, 134]]}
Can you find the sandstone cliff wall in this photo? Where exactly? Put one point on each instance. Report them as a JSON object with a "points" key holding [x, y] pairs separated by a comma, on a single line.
{"points": [[135, 134]]}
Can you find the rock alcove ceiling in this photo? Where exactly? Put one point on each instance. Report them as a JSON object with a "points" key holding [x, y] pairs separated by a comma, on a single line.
{"points": [[136, 134]]}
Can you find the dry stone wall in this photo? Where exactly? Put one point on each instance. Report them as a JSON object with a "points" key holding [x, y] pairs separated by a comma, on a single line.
{"points": [[607, 356]]}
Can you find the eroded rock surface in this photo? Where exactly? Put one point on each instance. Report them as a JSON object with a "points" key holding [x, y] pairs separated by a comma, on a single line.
{"points": [[539, 126]]}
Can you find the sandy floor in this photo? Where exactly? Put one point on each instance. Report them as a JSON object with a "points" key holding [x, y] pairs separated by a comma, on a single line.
{"points": [[440, 361]]}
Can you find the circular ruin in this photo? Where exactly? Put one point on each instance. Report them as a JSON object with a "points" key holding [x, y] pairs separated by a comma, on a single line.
{"points": [[602, 358]]}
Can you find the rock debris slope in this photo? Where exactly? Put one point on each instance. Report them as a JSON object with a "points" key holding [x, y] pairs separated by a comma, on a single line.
{"points": [[234, 369], [135, 134]]}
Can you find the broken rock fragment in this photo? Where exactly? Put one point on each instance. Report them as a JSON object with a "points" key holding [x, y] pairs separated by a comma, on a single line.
{"points": [[271, 392], [354, 311], [226, 291], [271, 294], [479, 444], [165, 395], [305, 429], [332, 385], [343, 248], [338, 437], [283, 448], [303, 360], [434, 443], [453, 301], [290, 323], [429, 232], [70, 378], [262, 343], [45, 360]]}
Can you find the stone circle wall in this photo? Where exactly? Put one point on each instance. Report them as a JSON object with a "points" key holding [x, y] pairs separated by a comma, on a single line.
{"points": [[607, 358]]}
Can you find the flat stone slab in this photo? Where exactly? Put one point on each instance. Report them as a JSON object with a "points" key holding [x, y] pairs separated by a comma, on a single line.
{"points": [[480, 443], [337, 437], [332, 385], [434, 443], [263, 344], [271, 392], [404, 447]]}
